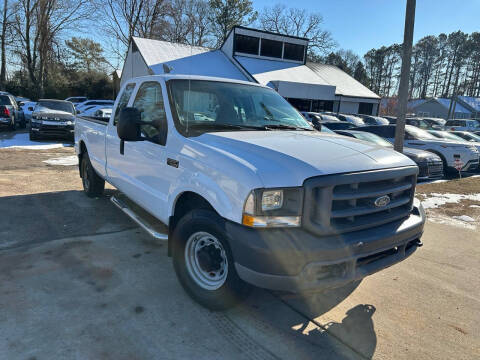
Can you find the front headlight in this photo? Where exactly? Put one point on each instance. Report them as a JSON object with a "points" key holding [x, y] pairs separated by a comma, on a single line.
{"points": [[273, 208]]}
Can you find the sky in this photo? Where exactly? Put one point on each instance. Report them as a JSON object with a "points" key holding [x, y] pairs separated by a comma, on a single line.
{"points": [[361, 25]]}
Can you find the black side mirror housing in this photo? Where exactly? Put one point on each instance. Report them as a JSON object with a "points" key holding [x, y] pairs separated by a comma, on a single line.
{"points": [[128, 126]]}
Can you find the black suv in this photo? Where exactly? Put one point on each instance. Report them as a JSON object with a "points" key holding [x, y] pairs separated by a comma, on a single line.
{"points": [[52, 118]]}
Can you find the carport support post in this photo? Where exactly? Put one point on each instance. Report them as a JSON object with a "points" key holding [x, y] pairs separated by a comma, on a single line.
{"points": [[405, 75]]}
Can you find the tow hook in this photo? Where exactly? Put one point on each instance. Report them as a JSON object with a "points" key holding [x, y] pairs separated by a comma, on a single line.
{"points": [[419, 243]]}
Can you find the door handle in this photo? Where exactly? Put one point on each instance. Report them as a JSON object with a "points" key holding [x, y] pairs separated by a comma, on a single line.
{"points": [[172, 162]]}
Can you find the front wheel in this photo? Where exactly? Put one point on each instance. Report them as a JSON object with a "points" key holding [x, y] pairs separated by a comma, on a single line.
{"points": [[203, 261], [93, 185]]}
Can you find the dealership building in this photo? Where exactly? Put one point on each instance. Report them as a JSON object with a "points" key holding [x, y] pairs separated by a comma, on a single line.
{"points": [[271, 59]]}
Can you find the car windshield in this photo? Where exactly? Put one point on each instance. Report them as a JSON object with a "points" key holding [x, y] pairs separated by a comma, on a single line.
{"points": [[64, 106], [355, 120], [471, 137], [329, 118], [419, 133], [203, 106], [448, 136], [372, 138]]}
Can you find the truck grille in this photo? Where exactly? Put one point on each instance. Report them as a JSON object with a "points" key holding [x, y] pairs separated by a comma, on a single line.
{"points": [[347, 202]]}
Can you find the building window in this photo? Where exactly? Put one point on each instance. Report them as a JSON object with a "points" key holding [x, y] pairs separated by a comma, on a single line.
{"points": [[246, 44], [271, 48], [365, 108], [300, 104], [322, 105], [293, 52]]}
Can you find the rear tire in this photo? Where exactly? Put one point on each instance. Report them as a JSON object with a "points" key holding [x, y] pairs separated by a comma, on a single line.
{"points": [[12, 125], [204, 263], [93, 185]]}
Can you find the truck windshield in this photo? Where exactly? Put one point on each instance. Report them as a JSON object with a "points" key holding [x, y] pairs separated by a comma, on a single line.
{"points": [[201, 106], [64, 106]]}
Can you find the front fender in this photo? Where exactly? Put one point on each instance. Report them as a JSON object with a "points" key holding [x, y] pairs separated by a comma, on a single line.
{"points": [[226, 201]]}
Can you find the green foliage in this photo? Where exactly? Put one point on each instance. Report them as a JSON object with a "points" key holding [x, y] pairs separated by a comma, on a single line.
{"points": [[86, 53], [225, 14]]}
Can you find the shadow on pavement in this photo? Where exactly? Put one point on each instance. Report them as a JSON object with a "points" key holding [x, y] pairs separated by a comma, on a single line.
{"points": [[36, 218]]}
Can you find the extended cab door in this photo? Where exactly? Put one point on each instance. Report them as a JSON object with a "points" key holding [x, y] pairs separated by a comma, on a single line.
{"points": [[141, 172]]}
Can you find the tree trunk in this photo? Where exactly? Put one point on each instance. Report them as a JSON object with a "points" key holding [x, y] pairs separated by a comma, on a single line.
{"points": [[3, 66]]}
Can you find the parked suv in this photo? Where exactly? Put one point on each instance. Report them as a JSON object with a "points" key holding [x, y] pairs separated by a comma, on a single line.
{"points": [[10, 113], [246, 191], [352, 119], [462, 125], [429, 164], [421, 139], [52, 118], [77, 99], [374, 120]]}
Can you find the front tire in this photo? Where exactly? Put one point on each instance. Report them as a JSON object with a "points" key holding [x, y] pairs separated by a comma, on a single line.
{"points": [[32, 136], [204, 263], [93, 185]]}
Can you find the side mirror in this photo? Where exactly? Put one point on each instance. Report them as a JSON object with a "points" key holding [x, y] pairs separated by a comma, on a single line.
{"points": [[21, 103], [30, 108], [128, 126]]}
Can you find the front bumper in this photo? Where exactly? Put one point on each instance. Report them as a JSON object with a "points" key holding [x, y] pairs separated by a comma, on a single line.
{"points": [[53, 130], [430, 170], [5, 121], [295, 260]]}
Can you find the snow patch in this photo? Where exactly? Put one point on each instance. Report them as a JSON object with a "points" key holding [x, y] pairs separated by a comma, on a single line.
{"points": [[64, 161], [451, 221], [22, 141], [435, 200], [464, 218], [474, 206]]}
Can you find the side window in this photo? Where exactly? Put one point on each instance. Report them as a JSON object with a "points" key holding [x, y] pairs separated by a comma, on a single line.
{"points": [[149, 101], [122, 103]]}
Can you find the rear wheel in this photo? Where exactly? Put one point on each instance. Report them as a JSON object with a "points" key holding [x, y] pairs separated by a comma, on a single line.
{"points": [[93, 185], [203, 261], [12, 124]]}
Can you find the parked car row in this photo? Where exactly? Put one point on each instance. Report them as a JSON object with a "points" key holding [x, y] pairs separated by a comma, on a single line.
{"points": [[433, 149]]}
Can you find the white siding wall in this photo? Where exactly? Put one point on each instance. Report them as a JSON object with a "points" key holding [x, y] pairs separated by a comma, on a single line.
{"points": [[134, 66]]}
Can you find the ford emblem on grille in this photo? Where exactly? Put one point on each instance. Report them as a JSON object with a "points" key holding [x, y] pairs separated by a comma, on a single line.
{"points": [[382, 201]]}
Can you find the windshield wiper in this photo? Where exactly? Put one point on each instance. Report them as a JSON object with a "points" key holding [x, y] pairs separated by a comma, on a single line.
{"points": [[226, 126], [285, 127]]}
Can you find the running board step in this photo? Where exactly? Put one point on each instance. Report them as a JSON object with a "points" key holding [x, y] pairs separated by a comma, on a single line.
{"points": [[146, 221]]}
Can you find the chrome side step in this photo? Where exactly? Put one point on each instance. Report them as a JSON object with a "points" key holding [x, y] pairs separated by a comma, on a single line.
{"points": [[147, 222]]}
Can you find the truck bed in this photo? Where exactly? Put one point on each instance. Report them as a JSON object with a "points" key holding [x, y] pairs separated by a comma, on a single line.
{"points": [[92, 131]]}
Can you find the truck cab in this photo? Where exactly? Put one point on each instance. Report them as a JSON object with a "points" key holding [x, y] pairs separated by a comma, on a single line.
{"points": [[249, 193]]}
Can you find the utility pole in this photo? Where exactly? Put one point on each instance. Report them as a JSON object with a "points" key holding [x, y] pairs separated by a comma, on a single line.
{"points": [[405, 75]]}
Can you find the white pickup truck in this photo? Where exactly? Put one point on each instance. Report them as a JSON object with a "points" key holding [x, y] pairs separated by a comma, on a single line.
{"points": [[247, 190]]}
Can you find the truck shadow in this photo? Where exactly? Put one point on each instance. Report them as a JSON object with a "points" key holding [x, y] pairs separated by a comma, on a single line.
{"points": [[303, 320], [37, 218], [278, 321]]}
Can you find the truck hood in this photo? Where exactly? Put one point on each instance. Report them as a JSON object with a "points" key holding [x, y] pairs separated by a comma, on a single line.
{"points": [[287, 158]]}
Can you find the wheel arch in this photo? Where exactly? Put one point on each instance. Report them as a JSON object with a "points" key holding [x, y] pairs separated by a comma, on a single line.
{"points": [[82, 149], [183, 203]]}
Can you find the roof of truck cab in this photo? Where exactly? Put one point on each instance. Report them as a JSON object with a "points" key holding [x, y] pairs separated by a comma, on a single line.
{"points": [[167, 77]]}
